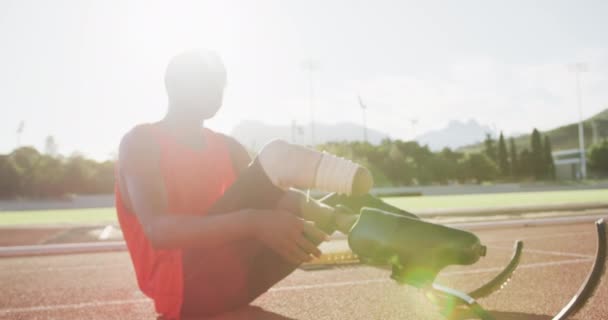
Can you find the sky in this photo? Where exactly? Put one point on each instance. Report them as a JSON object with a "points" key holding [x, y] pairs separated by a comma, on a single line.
{"points": [[86, 72]]}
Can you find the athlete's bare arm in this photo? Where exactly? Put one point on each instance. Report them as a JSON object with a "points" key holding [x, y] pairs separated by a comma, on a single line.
{"points": [[142, 186], [239, 155]]}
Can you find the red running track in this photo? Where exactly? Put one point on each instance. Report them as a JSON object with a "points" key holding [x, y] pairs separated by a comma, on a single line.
{"points": [[102, 285]]}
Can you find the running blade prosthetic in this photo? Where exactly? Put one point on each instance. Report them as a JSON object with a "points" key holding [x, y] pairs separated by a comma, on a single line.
{"points": [[356, 202]]}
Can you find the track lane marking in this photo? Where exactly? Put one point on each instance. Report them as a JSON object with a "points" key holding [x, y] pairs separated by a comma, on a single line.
{"points": [[68, 268], [544, 236], [106, 232], [450, 273], [547, 252], [82, 305], [97, 304], [84, 267]]}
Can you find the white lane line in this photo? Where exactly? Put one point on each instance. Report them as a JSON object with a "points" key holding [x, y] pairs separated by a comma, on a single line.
{"points": [[13, 251], [544, 236], [502, 224], [62, 248], [523, 266], [96, 304], [67, 268], [330, 285], [105, 234], [552, 253], [82, 305], [451, 273]]}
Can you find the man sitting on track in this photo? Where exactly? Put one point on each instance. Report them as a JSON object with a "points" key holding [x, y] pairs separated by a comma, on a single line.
{"points": [[208, 229]]}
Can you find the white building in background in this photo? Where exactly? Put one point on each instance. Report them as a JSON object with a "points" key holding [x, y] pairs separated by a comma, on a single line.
{"points": [[567, 164]]}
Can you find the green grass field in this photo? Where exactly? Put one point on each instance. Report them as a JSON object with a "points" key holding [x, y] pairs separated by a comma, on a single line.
{"points": [[69, 216], [108, 215], [499, 199]]}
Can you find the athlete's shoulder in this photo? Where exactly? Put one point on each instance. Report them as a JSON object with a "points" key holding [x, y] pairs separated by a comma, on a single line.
{"points": [[231, 142], [138, 135], [138, 144], [239, 154]]}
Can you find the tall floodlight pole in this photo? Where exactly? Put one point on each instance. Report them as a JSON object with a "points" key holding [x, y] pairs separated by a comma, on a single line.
{"points": [[414, 122], [579, 68], [310, 66], [19, 132], [363, 107]]}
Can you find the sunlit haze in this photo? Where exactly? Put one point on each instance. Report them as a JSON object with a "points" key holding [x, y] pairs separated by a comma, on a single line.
{"points": [[87, 71]]}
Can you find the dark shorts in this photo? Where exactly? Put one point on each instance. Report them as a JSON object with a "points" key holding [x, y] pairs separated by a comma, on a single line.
{"points": [[221, 279]]}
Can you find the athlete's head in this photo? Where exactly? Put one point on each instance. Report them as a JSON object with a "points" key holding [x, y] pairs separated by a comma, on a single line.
{"points": [[195, 82]]}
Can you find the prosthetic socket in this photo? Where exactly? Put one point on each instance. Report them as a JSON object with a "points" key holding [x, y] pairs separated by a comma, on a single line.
{"points": [[416, 250], [388, 236], [288, 165]]}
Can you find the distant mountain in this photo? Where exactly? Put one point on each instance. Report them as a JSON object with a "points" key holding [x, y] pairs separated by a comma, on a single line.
{"points": [[254, 134], [564, 137], [456, 134], [463, 136]]}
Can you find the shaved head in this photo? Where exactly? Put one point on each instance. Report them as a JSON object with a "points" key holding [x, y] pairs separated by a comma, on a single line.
{"points": [[195, 82]]}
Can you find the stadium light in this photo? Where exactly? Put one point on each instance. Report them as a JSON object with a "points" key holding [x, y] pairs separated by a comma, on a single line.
{"points": [[311, 65], [20, 129], [579, 68], [363, 107], [414, 122]]}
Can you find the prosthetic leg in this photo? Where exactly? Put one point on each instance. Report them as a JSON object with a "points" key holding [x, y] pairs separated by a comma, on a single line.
{"points": [[356, 202], [416, 251], [383, 235]]}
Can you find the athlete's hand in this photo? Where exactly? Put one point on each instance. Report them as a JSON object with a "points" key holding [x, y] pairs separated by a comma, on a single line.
{"points": [[291, 237]]}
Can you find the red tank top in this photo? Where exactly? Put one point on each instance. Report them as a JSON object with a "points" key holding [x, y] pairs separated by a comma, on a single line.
{"points": [[194, 180]]}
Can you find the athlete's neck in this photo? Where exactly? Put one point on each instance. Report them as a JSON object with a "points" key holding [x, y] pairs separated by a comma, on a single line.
{"points": [[184, 129]]}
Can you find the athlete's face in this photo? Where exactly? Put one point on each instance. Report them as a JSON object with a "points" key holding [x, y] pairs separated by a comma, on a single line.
{"points": [[199, 97], [195, 86]]}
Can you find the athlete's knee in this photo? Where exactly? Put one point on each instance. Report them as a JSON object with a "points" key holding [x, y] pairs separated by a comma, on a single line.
{"points": [[274, 153], [289, 165]]}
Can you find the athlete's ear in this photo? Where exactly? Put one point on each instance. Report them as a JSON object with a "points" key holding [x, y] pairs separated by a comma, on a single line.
{"points": [[289, 165]]}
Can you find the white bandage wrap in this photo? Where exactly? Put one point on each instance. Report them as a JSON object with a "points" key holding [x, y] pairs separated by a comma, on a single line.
{"points": [[288, 165], [335, 174]]}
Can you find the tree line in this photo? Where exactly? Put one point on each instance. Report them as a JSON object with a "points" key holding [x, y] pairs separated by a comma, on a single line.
{"points": [[25, 172], [598, 158], [535, 162], [397, 162]]}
